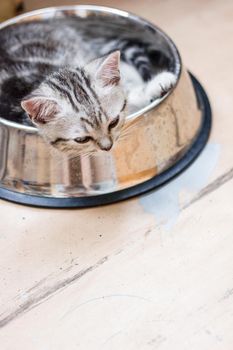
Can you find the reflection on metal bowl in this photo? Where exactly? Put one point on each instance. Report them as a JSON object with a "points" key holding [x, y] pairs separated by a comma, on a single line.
{"points": [[166, 135]]}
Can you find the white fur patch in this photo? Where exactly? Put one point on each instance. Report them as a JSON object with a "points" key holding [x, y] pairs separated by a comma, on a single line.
{"points": [[161, 83], [141, 94]]}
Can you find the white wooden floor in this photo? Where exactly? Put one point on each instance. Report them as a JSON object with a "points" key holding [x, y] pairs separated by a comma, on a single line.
{"points": [[155, 272]]}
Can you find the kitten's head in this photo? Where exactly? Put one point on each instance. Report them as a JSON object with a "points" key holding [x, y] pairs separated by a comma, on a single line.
{"points": [[80, 110]]}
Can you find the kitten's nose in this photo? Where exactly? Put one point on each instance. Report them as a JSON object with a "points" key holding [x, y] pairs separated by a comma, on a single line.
{"points": [[105, 144], [107, 148]]}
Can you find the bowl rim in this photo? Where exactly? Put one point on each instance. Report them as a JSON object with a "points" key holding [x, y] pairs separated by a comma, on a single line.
{"points": [[111, 10]]}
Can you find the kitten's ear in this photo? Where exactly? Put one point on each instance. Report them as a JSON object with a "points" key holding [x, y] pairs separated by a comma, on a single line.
{"points": [[109, 71], [40, 109]]}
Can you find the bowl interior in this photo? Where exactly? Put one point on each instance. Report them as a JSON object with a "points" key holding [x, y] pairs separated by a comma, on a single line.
{"points": [[98, 22]]}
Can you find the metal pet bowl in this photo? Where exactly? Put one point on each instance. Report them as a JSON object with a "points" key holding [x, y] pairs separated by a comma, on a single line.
{"points": [[166, 137]]}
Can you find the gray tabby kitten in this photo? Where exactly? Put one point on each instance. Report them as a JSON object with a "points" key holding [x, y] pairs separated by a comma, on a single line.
{"points": [[78, 102]]}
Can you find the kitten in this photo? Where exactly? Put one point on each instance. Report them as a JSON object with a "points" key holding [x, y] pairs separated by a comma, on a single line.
{"points": [[80, 110], [78, 107]]}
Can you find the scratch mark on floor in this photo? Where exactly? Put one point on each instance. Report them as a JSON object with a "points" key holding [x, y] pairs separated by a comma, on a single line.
{"points": [[104, 297], [110, 338], [227, 295], [40, 295], [213, 186]]}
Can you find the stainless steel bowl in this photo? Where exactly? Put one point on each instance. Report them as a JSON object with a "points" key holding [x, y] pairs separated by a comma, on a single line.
{"points": [[165, 138]]}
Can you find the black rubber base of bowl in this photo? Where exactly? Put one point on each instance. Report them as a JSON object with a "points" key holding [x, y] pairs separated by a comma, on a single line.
{"points": [[152, 184]]}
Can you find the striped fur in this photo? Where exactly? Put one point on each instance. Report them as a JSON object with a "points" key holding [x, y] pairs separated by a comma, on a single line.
{"points": [[66, 91]]}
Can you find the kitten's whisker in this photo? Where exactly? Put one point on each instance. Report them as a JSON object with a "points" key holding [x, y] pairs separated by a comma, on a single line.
{"points": [[129, 127], [123, 137], [127, 132]]}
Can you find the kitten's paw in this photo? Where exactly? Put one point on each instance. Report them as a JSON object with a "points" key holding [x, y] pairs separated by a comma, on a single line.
{"points": [[160, 85], [166, 81]]}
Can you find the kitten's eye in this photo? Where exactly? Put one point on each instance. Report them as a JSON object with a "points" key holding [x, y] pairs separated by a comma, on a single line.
{"points": [[113, 123], [84, 139]]}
